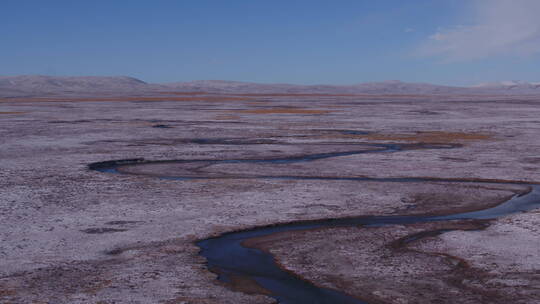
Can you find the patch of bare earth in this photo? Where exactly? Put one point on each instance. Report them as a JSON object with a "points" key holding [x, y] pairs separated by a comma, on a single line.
{"points": [[424, 136]]}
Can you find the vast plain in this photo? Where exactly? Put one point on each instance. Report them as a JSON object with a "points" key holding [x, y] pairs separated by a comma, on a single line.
{"points": [[70, 234]]}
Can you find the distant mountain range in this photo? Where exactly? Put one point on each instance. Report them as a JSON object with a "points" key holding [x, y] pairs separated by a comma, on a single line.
{"points": [[35, 85]]}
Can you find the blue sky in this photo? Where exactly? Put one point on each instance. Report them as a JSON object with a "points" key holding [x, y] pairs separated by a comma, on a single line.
{"points": [[458, 42]]}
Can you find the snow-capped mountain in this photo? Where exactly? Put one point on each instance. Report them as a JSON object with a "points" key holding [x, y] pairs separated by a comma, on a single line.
{"points": [[509, 85]]}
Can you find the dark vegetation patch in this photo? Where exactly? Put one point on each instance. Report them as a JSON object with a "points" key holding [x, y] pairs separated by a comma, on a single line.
{"points": [[102, 230], [425, 112], [532, 160], [283, 110], [69, 121], [455, 159], [353, 132], [12, 112], [122, 222], [162, 126]]}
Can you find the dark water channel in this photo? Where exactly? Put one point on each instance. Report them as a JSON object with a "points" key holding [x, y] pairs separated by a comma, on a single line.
{"points": [[227, 256]]}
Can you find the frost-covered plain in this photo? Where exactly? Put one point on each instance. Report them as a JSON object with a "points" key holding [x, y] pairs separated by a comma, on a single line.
{"points": [[71, 235]]}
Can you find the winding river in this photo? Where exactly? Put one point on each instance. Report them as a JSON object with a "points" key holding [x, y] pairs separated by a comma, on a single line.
{"points": [[227, 256]]}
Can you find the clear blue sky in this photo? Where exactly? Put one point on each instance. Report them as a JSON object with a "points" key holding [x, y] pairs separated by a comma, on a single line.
{"points": [[307, 42]]}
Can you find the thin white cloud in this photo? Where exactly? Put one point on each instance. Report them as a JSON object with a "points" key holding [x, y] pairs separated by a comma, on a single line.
{"points": [[500, 27]]}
